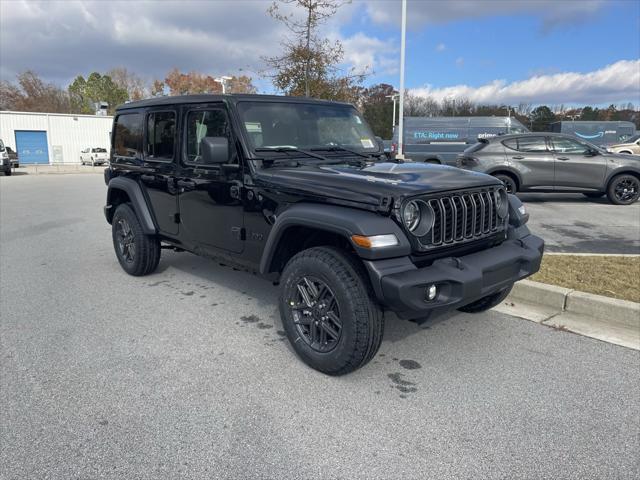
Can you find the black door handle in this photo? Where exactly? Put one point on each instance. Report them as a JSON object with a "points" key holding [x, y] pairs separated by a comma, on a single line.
{"points": [[517, 157], [562, 158], [186, 184]]}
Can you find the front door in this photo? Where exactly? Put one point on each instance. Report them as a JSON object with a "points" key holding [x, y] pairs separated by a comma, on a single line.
{"points": [[577, 164], [211, 209], [532, 157]]}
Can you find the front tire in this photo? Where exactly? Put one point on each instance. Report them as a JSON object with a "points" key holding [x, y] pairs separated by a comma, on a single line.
{"points": [[509, 183], [488, 302], [328, 311], [623, 189], [137, 253]]}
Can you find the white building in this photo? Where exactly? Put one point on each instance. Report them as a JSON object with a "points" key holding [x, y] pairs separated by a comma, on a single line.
{"points": [[53, 137]]}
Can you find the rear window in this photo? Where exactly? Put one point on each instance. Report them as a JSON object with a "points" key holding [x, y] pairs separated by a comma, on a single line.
{"points": [[99, 150], [127, 140], [527, 144]]}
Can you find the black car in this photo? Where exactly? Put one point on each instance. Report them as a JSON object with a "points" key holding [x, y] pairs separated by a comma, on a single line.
{"points": [[299, 191], [553, 162], [13, 157]]}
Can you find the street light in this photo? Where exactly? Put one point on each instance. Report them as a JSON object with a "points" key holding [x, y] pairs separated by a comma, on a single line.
{"points": [[400, 154], [393, 97], [222, 81]]}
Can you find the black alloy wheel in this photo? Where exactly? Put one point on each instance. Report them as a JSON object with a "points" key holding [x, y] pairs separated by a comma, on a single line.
{"points": [[624, 190], [509, 183], [316, 314], [125, 239]]}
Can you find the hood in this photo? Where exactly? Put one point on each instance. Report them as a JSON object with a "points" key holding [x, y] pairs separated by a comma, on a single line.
{"points": [[371, 183]]}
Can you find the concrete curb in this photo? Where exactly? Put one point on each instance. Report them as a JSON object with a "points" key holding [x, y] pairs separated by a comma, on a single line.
{"points": [[604, 318]]}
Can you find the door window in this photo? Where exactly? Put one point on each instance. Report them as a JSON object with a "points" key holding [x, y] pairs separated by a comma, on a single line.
{"points": [[206, 123], [127, 140], [567, 145], [527, 144], [161, 136]]}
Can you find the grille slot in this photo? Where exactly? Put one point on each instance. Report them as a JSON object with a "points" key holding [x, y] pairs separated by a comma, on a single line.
{"points": [[463, 217]]}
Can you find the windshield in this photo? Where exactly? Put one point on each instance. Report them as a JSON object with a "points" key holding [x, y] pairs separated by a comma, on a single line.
{"points": [[632, 139], [305, 126], [1, 146]]}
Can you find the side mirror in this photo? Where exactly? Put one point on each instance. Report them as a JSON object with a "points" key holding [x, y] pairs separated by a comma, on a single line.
{"points": [[214, 150], [591, 153]]}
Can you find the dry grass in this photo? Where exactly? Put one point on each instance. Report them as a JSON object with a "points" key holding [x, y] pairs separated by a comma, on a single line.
{"points": [[617, 277]]}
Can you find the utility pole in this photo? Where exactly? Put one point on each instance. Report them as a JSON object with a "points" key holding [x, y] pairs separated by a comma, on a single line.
{"points": [[400, 154], [393, 97], [222, 81]]}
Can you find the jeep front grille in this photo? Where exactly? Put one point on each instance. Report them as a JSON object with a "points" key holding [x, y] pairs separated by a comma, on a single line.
{"points": [[462, 217]]}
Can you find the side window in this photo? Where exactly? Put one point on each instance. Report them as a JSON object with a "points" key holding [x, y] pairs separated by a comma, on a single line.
{"points": [[127, 140], [161, 136], [512, 143], [567, 145], [206, 123], [532, 144]]}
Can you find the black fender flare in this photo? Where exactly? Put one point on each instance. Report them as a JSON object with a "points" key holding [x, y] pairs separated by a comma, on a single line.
{"points": [[138, 202], [335, 219]]}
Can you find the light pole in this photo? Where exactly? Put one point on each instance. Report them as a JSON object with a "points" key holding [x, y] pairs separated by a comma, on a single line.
{"points": [[400, 154], [222, 81], [393, 97]]}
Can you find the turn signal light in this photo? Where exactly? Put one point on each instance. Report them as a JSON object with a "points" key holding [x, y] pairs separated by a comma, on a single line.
{"points": [[375, 241]]}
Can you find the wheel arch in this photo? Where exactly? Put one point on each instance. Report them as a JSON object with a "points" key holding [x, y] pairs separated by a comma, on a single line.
{"points": [[621, 171], [306, 225], [125, 190], [509, 172]]}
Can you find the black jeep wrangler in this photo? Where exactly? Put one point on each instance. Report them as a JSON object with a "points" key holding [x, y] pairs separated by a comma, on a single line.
{"points": [[300, 191]]}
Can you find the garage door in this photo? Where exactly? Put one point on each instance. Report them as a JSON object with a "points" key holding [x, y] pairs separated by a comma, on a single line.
{"points": [[32, 146]]}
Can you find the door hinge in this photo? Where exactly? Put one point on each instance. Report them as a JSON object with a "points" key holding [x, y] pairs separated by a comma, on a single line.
{"points": [[176, 218]]}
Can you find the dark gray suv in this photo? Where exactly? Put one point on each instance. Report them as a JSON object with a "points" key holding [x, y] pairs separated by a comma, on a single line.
{"points": [[550, 162]]}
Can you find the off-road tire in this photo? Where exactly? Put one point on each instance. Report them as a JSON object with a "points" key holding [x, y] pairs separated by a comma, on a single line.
{"points": [[361, 317], [146, 254], [509, 183], [8, 172], [593, 194], [615, 181], [488, 302]]}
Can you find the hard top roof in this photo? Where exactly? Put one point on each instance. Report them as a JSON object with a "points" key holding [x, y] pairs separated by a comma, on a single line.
{"points": [[205, 98]]}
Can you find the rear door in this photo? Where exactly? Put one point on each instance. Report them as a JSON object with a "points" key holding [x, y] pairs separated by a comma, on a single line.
{"points": [[211, 209], [577, 164], [533, 159]]}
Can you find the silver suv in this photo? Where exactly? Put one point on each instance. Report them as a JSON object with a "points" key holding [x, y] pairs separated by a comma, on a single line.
{"points": [[551, 162]]}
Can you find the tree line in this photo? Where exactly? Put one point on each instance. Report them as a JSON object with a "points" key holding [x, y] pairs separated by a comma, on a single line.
{"points": [[307, 65]]}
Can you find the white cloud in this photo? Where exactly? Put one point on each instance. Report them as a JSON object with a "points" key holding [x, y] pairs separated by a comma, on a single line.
{"points": [[363, 52], [422, 12], [617, 82], [441, 47]]}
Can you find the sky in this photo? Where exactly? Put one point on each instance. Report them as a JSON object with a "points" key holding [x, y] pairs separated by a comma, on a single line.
{"points": [[489, 51]]}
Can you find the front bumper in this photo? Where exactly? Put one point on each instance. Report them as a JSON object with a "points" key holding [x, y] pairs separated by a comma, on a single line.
{"points": [[400, 285]]}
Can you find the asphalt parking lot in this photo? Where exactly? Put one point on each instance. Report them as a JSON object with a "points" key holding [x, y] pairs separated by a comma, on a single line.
{"points": [[186, 374], [572, 223]]}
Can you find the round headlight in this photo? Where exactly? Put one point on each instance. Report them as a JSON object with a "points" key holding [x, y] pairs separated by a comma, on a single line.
{"points": [[502, 203], [418, 217], [411, 216]]}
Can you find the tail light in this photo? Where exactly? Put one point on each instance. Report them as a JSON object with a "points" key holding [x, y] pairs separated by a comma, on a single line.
{"points": [[394, 148]]}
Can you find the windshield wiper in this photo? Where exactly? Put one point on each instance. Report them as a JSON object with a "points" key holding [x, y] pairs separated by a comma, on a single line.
{"points": [[335, 148], [306, 152], [290, 150]]}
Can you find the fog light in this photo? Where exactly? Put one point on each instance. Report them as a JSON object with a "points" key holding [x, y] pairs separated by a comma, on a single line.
{"points": [[431, 293]]}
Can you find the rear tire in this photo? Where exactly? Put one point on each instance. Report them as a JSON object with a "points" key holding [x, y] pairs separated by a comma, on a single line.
{"points": [[137, 253], [623, 189], [488, 302], [335, 327], [509, 183]]}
